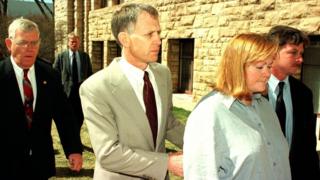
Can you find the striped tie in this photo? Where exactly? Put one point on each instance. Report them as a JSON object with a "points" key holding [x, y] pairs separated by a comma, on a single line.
{"points": [[28, 97]]}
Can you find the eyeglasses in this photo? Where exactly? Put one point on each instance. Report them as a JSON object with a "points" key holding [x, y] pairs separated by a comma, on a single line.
{"points": [[24, 43]]}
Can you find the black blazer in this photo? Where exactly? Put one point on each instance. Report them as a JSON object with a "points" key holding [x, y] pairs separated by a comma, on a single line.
{"points": [[304, 159], [63, 66], [17, 140]]}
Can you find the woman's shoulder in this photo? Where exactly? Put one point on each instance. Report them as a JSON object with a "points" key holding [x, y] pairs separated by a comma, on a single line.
{"points": [[213, 99], [210, 106]]}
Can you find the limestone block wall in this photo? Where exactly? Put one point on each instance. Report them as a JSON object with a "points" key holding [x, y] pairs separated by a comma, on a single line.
{"points": [[211, 23], [69, 16], [61, 24]]}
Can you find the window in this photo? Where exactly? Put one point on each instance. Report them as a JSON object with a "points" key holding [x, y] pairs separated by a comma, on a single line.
{"points": [[310, 74], [180, 62], [114, 50], [97, 55]]}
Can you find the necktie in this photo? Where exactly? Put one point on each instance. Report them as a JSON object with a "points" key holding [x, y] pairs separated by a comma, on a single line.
{"points": [[281, 108], [150, 104], [28, 97], [74, 69]]}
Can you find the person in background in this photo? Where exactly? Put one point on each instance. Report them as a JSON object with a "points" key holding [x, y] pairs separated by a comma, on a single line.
{"points": [[74, 67], [297, 117], [128, 105], [233, 133], [1, 53], [32, 96]]}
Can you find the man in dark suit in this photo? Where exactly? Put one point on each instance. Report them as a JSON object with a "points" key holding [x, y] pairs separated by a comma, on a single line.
{"points": [[297, 118], [1, 53], [74, 67], [32, 96]]}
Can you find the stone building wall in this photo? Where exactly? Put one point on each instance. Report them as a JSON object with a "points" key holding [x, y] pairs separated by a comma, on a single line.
{"points": [[211, 23], [61, 25]]}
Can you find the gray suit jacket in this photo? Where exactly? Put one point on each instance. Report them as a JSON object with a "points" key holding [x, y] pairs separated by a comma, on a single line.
{"points": [[62, 64], [119, 129]]}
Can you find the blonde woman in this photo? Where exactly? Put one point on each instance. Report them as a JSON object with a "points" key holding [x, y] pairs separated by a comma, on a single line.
{"points": [[233, 133]]}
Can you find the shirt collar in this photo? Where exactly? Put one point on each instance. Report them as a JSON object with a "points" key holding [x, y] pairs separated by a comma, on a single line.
{"points": [[19, 70], [71, 52], [229, 100], [131, 70], [226, 100], [273, 82]]}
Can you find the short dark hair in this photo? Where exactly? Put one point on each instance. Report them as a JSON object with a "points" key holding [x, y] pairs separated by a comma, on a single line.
{"points": [[287, 35], [126, 17]]}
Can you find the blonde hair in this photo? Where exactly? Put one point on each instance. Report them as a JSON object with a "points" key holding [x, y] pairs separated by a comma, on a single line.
{"points": [[241, 50], [23, 24], [72, 35]]}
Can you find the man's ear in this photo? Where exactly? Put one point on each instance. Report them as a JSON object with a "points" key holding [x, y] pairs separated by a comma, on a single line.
{"points": [[124, 39], [8, 43]]}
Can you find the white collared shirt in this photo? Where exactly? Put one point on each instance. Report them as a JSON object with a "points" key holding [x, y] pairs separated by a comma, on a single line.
{"points": [[135, 77], [32, 77], [226, 139], [273, 91]]}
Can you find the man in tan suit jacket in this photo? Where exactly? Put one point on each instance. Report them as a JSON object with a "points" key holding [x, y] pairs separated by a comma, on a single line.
{"points": [[114, 109]]}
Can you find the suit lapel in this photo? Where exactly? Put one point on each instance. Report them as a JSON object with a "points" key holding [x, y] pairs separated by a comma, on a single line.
{"points": [[13, 84], [82, 65], [124, 93], [67, 62], [295, 102], [42, 82], [13, 92]]}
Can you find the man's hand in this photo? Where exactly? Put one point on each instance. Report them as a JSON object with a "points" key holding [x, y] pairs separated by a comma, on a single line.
{"points": [[75, 162], [175, 163]]}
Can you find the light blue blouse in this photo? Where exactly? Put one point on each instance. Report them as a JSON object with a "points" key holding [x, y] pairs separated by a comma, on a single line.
{"points": [[226, 139]]}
